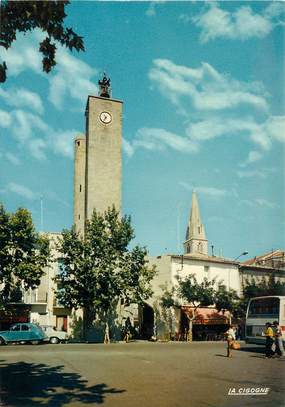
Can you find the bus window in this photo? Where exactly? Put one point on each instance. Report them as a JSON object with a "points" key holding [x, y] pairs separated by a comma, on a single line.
{"points": [[264, 307]]}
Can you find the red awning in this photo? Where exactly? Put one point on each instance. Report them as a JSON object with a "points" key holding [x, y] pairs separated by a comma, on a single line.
{"points": [[207, 316]]}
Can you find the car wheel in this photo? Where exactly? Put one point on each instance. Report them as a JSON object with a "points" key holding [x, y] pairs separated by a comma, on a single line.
{"points": [[54, 340], [2, 341], [35, 342], [23, 342]]}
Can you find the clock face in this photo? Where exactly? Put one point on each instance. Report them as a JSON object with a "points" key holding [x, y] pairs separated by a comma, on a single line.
{"points": [[105, 117]]}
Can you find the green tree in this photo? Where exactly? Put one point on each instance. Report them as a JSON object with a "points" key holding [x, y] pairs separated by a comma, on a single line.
{"points": [[226, 299], [100, 270], [23, 254], [258, 288], [23, 16], [190, 292], [196, 294], [270, 286]]}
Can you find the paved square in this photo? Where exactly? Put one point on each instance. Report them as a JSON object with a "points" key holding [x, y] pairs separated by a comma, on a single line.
{"points": [[138, 374]]}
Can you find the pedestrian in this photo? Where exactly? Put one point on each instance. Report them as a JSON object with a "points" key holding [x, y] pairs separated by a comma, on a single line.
{"points": [[127, 330], [278, 339], [269, 340], [231, 336], [107, 334]]}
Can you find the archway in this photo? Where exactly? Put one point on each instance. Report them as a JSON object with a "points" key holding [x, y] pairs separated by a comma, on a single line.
{"points": [[146, 322]]}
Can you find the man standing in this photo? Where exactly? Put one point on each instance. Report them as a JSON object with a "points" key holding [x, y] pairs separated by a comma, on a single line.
{"points": [[231, 336], [278, 339], [269, 340]]}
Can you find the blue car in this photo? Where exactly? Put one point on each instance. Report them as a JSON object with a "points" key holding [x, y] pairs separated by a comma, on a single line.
{"points": [[23, 333]]}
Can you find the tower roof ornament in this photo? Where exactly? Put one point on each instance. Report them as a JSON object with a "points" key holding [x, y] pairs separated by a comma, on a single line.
{"points": [[104, 86]]}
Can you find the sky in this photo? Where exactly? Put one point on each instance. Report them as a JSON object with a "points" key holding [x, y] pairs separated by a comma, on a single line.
{"points": [[202, 86]]}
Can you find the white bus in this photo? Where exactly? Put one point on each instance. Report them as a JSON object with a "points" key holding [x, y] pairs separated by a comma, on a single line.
{"points": [[261, 310]]}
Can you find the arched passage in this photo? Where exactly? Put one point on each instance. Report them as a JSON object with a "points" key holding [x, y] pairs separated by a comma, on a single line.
{"points": [[146, 322]]}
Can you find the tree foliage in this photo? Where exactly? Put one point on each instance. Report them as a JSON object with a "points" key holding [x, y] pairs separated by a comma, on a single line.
{"points": [[226, 299], [270, 286], [23, 254], [194, 293], [23, 16], [254, 288], [100, 270]]}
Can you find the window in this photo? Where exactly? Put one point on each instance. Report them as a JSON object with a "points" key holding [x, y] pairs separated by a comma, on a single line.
{"points": [[15, 328], [264, 307], [78, 143], [80, 188], [79, 217], [25, 328]]}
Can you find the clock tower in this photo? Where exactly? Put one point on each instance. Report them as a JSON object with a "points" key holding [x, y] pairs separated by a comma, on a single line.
{"points": [[103, 155]]}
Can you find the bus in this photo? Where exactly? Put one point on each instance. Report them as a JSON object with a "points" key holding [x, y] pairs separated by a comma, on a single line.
{"points": [[261, 310]]}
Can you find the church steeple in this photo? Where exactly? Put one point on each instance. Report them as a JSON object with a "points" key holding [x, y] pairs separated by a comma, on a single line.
{"points": [[196, 241]]}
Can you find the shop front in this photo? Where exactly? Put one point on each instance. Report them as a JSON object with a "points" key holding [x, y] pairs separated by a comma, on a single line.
{"points": [[14, 313], [208, 324]]}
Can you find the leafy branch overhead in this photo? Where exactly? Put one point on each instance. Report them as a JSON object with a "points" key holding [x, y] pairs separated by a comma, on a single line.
{"points": [[23, 16]]}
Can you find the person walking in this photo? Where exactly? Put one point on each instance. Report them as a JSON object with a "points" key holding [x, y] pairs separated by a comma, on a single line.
{"points": [[269, 340], [231, 336], [128, 326], [278, 339]]}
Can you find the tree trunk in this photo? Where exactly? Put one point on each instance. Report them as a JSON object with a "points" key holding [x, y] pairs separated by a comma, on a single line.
{"points": [[190, 331], [88, 316]]}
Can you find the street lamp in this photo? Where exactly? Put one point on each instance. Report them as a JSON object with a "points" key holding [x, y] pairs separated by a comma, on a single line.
{"points": [[242, 254]]}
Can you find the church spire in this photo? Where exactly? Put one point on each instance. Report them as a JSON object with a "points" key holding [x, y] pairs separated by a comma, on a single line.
{"points": [[196, 241]]}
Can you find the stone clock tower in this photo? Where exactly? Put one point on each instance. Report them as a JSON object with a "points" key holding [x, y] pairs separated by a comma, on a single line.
{"points": [[98, 158]]}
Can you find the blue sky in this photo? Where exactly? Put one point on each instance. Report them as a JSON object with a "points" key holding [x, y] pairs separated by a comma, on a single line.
{"points": [[203, 92]]}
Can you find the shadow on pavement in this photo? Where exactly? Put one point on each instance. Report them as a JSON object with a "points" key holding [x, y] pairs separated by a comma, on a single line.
{"points": [[30, 384], [253, 349]]}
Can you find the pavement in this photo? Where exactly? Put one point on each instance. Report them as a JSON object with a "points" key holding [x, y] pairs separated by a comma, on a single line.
{"points": [[139, 374]]}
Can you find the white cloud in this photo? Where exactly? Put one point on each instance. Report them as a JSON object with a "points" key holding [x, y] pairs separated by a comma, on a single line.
{"points": [[23, 54], [150, 12], [261, 134], [12, 158], [208, 191], [158, 140], [62, 142], [266, 203], [22, 98], [37, 137], [242, 24], [128, 148], [22, 191], [207, 89], [5, 119], [70, 78], [252, 174], [253, 156], [37, 148], [26, 124], [258, 202]]}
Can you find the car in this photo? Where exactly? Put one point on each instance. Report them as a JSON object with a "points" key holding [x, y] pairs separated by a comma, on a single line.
{"points": [[54, 335], [23, 333]]}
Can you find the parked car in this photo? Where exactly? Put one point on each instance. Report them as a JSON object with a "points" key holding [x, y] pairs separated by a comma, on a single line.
{"points": [[23, 333], [54, 335]]}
